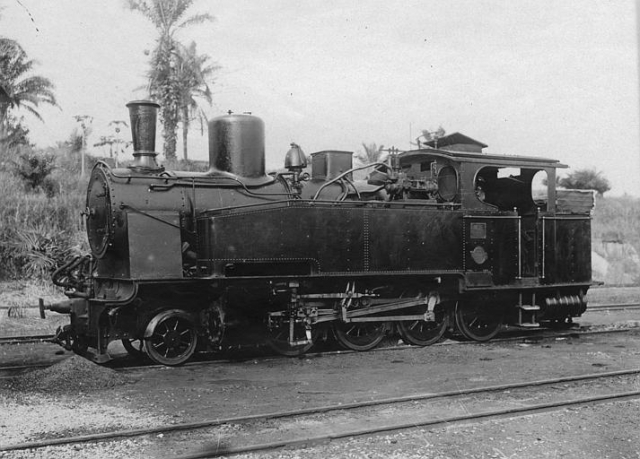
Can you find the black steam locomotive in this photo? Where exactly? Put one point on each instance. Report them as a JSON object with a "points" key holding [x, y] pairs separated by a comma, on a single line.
{"points": [[439, 238]]}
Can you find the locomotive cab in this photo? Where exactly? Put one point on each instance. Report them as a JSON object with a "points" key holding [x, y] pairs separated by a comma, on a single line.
{"points": [[519, 232]]}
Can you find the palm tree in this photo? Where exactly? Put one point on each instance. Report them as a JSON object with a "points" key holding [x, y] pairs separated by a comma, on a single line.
{"points": [[167, 17], [428, 136], [372, 153], [194, 73], [13, 133], [19, 88]]}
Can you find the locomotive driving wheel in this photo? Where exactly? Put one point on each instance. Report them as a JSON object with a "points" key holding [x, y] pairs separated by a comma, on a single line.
{"points": [[279, 334], [478, 321], [422, 332], [171, 338], [359, 336]]}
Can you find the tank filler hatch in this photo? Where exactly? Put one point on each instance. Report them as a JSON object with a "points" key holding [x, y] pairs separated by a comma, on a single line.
{"points": [[329, 164], [237, 148]]}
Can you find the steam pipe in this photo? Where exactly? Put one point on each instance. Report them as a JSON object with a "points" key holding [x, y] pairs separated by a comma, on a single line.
{"points": [[335, 179]]}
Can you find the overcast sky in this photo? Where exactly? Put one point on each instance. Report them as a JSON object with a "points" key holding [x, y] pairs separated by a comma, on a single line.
{"points": [[528, 77]]}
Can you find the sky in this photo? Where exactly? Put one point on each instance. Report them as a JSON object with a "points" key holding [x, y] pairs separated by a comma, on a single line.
{"points": [[527, 77]]}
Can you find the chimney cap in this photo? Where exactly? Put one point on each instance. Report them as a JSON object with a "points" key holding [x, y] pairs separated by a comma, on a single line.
{"points": [[143, 102]]}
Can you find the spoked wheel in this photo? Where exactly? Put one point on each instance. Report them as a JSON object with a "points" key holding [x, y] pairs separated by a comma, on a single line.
{"points": [[359, 336], [135, 347], [422, 332], [478, 322], [79, 345], [278, 339], [171, 338], [70, 340]]}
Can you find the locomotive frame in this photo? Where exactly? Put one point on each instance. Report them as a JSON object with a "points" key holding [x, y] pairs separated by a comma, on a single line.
{"points": [[436, 240]]}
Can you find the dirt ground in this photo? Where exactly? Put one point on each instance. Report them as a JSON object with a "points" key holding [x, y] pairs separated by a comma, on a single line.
{"points": [[71, 403]]}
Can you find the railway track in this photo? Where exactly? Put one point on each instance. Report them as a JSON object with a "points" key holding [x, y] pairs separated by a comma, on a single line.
{"points": [[25, 339], [45, 338], [515, 335], [17, 370], [612, 307], [49, 337], [312, 426]]}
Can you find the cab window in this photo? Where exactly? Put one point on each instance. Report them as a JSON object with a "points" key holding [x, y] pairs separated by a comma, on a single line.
{"points": [[509, 188]]}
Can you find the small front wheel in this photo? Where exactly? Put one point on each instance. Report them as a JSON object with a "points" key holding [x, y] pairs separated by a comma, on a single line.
{"points": [[134, 347]]}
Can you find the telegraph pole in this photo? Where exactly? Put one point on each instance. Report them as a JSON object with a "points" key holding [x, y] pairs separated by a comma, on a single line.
{"points": [[85, 122]]}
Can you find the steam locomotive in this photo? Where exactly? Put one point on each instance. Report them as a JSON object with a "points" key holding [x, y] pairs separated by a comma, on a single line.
{"points": [[436, 239]]}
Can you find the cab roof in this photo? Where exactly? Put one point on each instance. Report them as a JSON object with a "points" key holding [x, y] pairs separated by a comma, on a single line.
{"points": [[490, 160]]}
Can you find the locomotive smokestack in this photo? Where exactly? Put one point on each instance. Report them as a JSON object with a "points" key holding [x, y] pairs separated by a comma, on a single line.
{"points": [[143, 115]]}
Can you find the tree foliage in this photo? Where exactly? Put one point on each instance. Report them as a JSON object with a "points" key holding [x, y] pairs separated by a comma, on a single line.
{"points": [[21, 89], [167, 16], [34, 170], [586, 179], [372, 153], [428, 136], [13, 133], [194, 73]]}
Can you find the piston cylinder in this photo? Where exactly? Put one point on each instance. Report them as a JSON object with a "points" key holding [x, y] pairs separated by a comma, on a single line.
{"points": [[236, 145]]}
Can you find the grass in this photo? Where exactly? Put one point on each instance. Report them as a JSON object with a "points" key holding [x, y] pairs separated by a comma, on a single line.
{"points": [[615, 236], [38, 231]]}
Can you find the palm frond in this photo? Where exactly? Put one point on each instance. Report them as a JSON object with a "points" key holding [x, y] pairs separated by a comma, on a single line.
{"points": [[196, 19]]}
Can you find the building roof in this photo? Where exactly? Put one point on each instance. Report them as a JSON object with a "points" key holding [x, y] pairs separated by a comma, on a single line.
{"points": [[457, 142]]}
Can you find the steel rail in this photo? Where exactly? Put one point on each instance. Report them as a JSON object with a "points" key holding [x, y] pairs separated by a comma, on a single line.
{"points": [[630, 395], [25, 339], [18, 370], [612, 307], [528, 334], [348, 406]]}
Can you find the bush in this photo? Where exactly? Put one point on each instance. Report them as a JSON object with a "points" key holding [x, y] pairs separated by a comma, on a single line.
{"points": [[39, 233], [34, 169], [586, 179], [40, 213], [615, 221]]}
